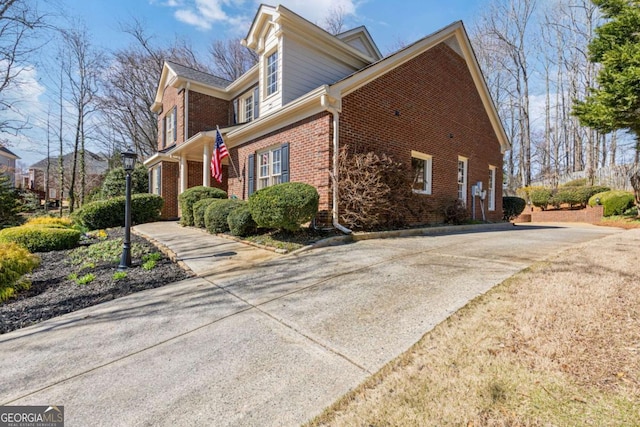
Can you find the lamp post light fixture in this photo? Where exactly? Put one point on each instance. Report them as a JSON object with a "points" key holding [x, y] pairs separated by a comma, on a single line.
{"points": [[128, 163]]}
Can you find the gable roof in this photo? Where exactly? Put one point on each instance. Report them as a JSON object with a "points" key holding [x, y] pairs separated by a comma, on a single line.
{"points": [[455, 36], [177, 75], [95, 164], [5, 152], [360, 39], [191, 74], [278, 15]]}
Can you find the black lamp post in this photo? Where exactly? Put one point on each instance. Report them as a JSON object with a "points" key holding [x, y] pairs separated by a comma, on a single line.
{"points": [[128, 162]]}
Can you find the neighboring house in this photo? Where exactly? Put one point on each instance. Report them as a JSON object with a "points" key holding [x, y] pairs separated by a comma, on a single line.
{"points": [[311, 93], [96, 166], [8, 164]]}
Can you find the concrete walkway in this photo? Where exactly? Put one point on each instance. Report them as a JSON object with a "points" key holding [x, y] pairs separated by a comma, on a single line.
{"points": [[271, 342]]}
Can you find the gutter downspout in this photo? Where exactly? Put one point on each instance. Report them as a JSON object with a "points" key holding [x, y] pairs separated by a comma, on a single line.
{"points": [[325, 101]]}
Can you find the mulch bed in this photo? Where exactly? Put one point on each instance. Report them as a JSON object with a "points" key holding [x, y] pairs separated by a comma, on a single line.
{"points": [[53, 294]]}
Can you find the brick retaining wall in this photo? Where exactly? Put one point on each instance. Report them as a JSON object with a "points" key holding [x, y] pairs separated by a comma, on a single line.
{"points": [[588, 215]]}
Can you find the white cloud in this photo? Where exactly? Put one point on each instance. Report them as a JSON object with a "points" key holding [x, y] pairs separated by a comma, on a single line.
{"points": [[203, 14]]}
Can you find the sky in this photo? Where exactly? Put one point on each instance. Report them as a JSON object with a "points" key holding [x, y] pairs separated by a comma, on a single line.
{"points": [[202, 21]]}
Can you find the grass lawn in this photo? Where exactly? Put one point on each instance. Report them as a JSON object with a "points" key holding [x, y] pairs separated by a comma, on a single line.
{"points": [[556, 345]]}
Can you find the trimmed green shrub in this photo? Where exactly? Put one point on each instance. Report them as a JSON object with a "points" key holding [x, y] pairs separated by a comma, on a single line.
{"points": [[540, 197], [615, 202], [41, 239], [525, 192], [114, 182], [15, 261], [580, 182], [50, 221], [241, 222], [199, 209], [286, 206], [215, 217], [110, 213], [191, 196], [145, 208], [512, 207]]}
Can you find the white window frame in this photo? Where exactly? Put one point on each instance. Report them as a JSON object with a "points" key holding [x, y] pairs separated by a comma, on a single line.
{"points": [[491, 189], [271, 73], [169, 130], [247, 107], [156, 180], [463, 178], [269, 173], [427, 178]]}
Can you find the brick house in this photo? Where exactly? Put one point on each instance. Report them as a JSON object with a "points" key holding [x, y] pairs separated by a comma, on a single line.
{"points": [[311, 93], [8, 164]]}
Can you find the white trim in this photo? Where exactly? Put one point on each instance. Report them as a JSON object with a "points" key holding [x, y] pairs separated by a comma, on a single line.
{"points": [[465, 178], [427, 186], [491, 189]]}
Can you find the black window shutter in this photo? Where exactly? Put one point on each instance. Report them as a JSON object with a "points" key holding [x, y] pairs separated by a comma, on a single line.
{"points": [[175, 123], [284, 177], [164, 132], [256, 103], [150, 178], [251, 172]]}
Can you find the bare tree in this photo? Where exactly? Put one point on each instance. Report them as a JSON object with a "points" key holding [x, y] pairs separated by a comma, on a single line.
{"points": [[129, 89], [81, 72], [231, 59], [20, 23], [334, 22]]}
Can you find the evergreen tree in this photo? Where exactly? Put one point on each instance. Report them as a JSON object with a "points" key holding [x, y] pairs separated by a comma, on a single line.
{"points": [[615, 103], [9, 203]]}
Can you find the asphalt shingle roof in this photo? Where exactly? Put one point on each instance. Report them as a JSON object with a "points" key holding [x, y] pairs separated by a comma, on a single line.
{"points": [[198, 76]]}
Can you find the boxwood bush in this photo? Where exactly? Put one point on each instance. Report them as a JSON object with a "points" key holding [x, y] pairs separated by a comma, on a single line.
{"points": [[241, 222], [540, 197], [41, 239], [285, 206], [215, 217], [191, 196], [110, 213], [15, 261], [512, 207], [199, 208], [615, 202]]}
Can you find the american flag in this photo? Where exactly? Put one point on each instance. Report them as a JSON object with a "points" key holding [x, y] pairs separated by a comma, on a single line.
{"points": [[219, 153]]}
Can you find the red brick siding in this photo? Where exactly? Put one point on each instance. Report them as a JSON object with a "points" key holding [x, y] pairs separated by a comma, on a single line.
{"points": [[171, 98], [309, 157], [418, 106], [169, 189], [589, 215], [205, 112]]}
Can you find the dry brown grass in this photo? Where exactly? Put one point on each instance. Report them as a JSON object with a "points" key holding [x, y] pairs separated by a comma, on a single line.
{"points": [[556, 345]]}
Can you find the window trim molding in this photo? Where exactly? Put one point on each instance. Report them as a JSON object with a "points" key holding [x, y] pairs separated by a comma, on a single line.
{"points": [[491, 190], [267, 74], [428, 171], [465, 181], [270, 175]]}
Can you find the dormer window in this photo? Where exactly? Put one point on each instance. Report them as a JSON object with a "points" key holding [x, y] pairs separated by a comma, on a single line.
{"points": [[272, 73]]}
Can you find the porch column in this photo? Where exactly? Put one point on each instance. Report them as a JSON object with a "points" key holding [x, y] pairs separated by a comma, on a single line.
{"points": [[206, 161], [183, 174]]}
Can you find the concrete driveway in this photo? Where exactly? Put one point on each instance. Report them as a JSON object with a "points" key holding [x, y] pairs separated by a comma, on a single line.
{"points": [[271, 344]]}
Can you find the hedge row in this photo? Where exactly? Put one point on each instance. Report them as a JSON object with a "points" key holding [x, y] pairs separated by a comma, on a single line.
{"points": [[192, 195], [573, 196], [110, 213], [614, 202], [41, 238], [512, 207], [15, 261], [284, 206]]}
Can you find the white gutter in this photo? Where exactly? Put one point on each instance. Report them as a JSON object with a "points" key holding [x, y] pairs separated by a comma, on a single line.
{"points": [[336, 151]]}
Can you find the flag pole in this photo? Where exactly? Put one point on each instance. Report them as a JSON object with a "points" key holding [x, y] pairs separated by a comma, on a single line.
{"points": [[229, 157]]}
